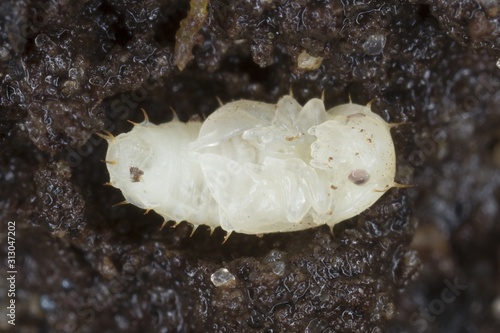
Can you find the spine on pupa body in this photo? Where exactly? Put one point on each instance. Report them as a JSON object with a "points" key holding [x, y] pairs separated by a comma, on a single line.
{"points": [[256, 168]]}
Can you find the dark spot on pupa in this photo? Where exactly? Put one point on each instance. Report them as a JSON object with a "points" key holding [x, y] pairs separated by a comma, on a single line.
{"points": [[356, 115], [359, 177], [293, 137], [333, 187], [135, 174]]}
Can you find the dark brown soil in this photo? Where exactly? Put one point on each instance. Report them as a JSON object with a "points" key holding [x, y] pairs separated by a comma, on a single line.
{"points": [[425, 259]]}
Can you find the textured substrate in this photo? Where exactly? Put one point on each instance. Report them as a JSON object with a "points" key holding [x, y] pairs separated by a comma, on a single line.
{"points": [[69, 69]]}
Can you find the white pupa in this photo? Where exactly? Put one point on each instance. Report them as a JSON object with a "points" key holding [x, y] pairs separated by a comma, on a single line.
{"points": [[257, 168]]}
